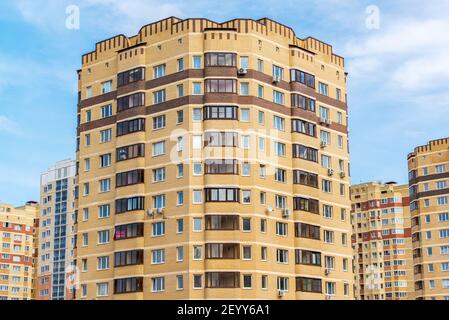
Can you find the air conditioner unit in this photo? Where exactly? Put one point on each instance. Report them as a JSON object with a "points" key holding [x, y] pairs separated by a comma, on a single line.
{"points": [[328, 297], [286, 213], [270, 210], [330, 172], [327, 271], [281, 293], [323, 144], [160, 210], [328, 121], [342, 174], [150, 212], [242, 71]]}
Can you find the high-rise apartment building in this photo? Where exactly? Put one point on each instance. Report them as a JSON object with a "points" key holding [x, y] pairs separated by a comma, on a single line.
{"points": [[18, 251], [428, 180], [383, 262], [57, 234], [213, 163]]}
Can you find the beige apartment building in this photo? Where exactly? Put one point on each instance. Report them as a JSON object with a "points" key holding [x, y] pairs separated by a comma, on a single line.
{"points": [[428, 180], [382, 243], [57, 234], [213, 163], [18, 251]]}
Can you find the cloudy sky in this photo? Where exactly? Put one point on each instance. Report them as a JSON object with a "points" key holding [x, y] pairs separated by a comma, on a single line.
{"points": [[398, 66]]}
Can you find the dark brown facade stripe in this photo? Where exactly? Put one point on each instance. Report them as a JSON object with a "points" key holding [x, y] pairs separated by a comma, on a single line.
{"points": [[210, 72], [225, 98], [429, 178], [433, 193]]}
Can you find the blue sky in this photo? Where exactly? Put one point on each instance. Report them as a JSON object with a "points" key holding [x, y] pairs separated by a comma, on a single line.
{"points": [[398, 74]]}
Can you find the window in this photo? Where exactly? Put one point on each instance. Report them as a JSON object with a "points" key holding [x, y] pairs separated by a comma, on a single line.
{"points": [[159, 201], [197, 281], [244, 88], [129, 204], [279, 149], [279, 123], [128, 285], [103, 237], [247, 281], [105, 135], [281, 229], [222, 194], [440, 168], [282, 256], [180, 88], [330, 288], [103, 263], [327, 211], [102, 289], [87, 139], [159, 96], [338, 94], [197, 114], [261, 117], [246, 252], [328, 236], [197, 168], [106, 111], [246, 169], [278, 72], [197, 86], [128, 231], [278, 97], [159, 71], [213, 59], [325, 137], [244, 115], [159, 175], [129, 178], [280, 175], [224, 223], [158, 148], [179, 198], [307, 257], [131, 76], [300, 101], [304, 127], [220, 112], [246, 224], [260, 91], [197, 62], [222, 280], [197, 196], [180, 282], [260, 65], [106, 87], [104, 211], [87, 165], [158, 256], [89, 93], [221, 86], [130, 152], [159, 122], [246, 196], [326, 161], [308, 231], [105, 160], [158, 284], [131, 101], [305, 153], [180, 64], [308, 205], [326, 186], [86, 189], [305, 178], [302, 77], [197, 252], [180, 116], [221, 167], [85, 239], [282, 284], [179, 254], [244, 62], [323, 89], [130, 126], [329, 263], [88, 116], [180, 169], [308, 285], [158, 229]]}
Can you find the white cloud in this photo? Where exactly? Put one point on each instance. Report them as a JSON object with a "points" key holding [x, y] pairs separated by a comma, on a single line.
{"points": [[9, 126]]}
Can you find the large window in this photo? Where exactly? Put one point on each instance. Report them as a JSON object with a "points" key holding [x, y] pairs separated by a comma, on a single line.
{"points": [[131, 76], [128, 258], [226, 166], [308, 285], [128, 285], [300, 101], [221, 139], [129, 204], [220, 112], [128, 231], [129, 178], [127, 127], [214, 59], [303, 204], [221, 86], [307, 257], [302, 77], [305, 153], [131, 101], [304, 127], [222, 251], [222, 194], [222, 279], [223, 223], [130, 152], [303, 230], [305, 178]]}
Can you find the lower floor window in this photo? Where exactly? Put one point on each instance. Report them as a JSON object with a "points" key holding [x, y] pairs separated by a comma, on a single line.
{"points": [[158, 284]]}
